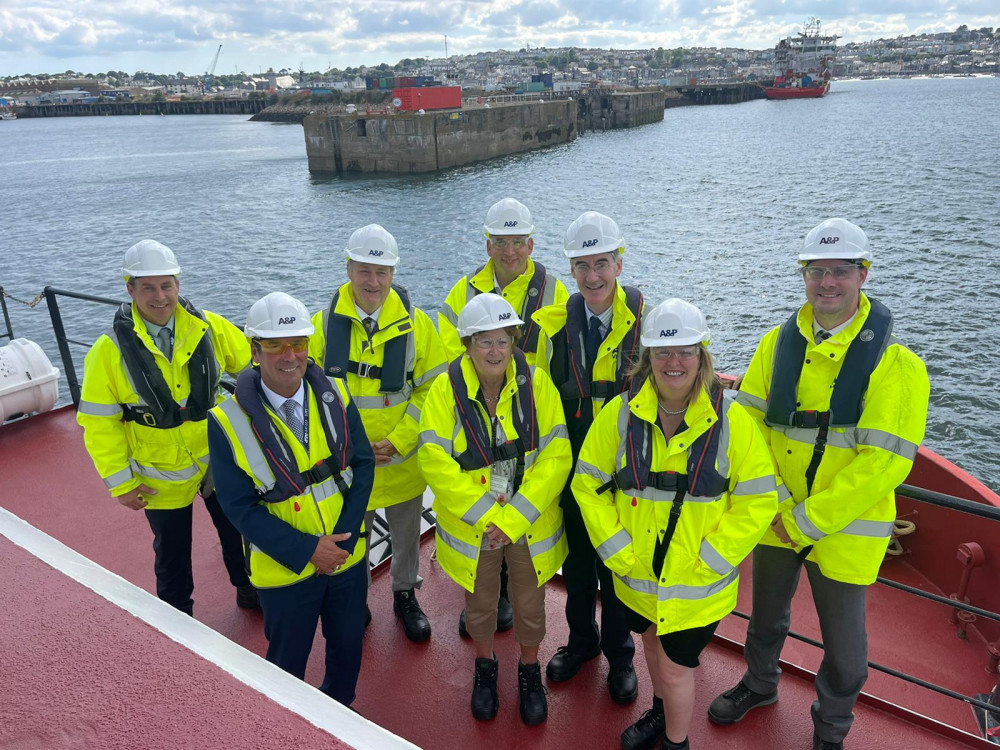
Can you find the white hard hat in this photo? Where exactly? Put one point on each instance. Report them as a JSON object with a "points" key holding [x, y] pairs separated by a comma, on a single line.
{"points": [[149, 258], [486, 312], [674, 322], [508, 217], [592, 233], [276, 316], [373, 244], [836, 239]]}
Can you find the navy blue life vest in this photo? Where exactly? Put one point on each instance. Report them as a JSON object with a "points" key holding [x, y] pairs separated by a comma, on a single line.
{"points": [[480, 451], [161, 411], [571, 374], [289, 481], [392, 374], [532, 303], [702, 478], [863, 356]]}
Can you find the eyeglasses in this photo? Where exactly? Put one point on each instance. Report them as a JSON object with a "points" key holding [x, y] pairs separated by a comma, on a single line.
{"points": [[684, 355], [601, 266], [273, 346], [503, 344], [839, 273], [502, 243]]}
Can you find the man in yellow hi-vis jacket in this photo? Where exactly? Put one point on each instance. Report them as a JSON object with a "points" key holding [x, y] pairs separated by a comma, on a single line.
{"points": [[147, 387], [294, 470], [388, 354], [843, 406]]}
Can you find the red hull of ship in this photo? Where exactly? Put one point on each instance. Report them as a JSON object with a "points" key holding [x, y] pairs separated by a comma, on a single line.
{"points": [[808, 92]]}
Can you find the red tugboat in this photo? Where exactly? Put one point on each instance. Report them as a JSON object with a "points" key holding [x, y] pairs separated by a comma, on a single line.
{"points": [[803, 64]]}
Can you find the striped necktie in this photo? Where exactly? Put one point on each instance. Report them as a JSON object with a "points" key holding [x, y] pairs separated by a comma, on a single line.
{"points": [[822, 336]]}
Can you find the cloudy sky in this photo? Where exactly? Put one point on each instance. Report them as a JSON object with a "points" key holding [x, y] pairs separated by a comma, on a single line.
{"points": [[182, 35]]}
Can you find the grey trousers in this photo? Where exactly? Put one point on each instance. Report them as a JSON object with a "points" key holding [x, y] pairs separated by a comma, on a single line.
{"points": [[404, 528], [841, 610]]}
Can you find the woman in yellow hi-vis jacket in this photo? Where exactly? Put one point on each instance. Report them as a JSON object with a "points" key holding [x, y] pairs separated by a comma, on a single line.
{"points": [[494, 449], [676, 487]]}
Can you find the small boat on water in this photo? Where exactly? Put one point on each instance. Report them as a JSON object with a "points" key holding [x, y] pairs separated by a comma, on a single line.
{"points": [[92, 659], [7, 114], [803, 64]]}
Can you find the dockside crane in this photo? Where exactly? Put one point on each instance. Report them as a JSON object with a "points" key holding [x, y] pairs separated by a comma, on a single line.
{"points": [[210, 75]]}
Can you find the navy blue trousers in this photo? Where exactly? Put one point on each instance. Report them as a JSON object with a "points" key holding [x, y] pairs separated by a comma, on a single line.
{"points": [[172, 551], [581, 572], [290, 617]]}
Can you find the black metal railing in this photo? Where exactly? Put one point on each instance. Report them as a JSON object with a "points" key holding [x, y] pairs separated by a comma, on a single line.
{"points": [[62, 340], [8, 330], [944, 501]]}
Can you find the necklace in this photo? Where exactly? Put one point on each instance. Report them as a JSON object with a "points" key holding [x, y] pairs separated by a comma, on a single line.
{"points": [[491, 399], [671, 413]]}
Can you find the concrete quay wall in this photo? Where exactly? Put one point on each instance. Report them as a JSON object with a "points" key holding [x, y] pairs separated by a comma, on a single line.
{"points": [[608, 110], [194, 107], [407, 143]]}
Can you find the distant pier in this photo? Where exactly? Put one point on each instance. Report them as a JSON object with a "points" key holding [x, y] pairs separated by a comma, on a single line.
{"points": [[119, 108]]}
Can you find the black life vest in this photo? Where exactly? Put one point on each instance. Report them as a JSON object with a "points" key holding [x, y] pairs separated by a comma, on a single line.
{"points": [[533, 301], [289, 481], [480, 451], [571, 374], [702, 478], [161, 411], [392, 374], [863, 355]]}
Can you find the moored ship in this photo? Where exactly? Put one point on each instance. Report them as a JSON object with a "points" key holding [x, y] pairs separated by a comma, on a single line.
{"points": [[803, 64]]}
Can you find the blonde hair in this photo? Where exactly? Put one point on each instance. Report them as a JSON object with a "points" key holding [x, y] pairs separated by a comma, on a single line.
{"points": [[705, 379]]}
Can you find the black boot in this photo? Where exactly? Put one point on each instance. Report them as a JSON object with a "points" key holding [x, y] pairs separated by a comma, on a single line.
{"points": [[484, 689], [647, 731], [668, 745], [534, 706], [415, 623]]}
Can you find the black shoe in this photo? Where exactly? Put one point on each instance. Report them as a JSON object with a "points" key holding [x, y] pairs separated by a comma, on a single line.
{"points": [[647, 731], [623, 684], [368, 615], [565, 663], [505, 615], [534, 706], [246, 597], [734, 704], [484, 689], [819, 744], [668, 745], [461, 626], [415, 623]]}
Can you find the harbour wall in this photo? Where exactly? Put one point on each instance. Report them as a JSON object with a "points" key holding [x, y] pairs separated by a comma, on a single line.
{"points": [[117, 108], [609, 110], [408, 143]]}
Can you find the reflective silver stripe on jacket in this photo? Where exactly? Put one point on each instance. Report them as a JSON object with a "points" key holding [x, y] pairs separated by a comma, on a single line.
{"points": [[876, 529], [128, 375], [713, 559], [642, 585], [249, 444], [413, 412], [463, 548], [759, 486], [722, 458], [94, 409], [614, 544], [886, 441], [589, 470], [689, 592], [666, 496], [559, 431], [429, 437], [479, 509], [783, 492], [753, 402], [382, 401], [450, 315], [548, 294], [805, 525], [167, 475], [544, 545], [807, 435], [523, 505], [119, 477], [400, 459], [430, 374]]}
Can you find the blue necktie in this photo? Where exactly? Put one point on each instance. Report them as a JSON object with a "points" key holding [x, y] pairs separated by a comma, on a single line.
{"points": [[593, 340], [292, 420]]}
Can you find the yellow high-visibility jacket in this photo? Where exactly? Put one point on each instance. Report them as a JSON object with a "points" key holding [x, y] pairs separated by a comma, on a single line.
{"points": [[516, 293], [849, 516], [698, 582], [462, 501], [280, 555], [126, 454], [395, 416]]}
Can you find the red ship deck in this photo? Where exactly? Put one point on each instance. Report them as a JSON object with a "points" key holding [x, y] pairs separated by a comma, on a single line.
{"points": [[81, 671]]}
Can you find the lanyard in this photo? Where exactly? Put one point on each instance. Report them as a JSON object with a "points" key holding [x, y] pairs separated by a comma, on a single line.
{"points": [[305, 415]]}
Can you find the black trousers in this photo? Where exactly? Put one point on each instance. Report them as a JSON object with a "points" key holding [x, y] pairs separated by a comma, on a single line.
{"points": [[581, 572], [172, 551]]}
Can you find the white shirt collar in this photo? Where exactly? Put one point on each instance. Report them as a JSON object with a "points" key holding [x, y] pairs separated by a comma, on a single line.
{"points": [[154, 330], [836, 329], [604, 317], [362, 314], [277, 401]]}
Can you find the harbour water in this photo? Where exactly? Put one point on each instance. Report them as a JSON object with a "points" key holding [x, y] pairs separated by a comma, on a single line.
{"points": [[713, 203]]}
